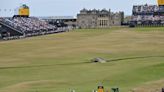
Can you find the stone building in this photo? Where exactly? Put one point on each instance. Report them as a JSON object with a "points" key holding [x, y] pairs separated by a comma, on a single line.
{"points": [[99, 18]]}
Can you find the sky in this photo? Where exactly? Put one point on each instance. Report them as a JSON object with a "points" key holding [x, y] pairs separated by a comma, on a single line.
{"points": [[68, 7]]}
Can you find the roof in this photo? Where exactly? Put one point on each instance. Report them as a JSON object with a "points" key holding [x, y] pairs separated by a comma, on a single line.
{"points": [[58, 17]]}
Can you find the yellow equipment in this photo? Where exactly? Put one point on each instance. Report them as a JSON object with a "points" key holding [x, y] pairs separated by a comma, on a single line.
{"points": [[160, 2]]}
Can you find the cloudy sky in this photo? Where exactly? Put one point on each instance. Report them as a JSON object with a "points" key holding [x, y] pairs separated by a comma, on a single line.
{"points": [[68, 7]]}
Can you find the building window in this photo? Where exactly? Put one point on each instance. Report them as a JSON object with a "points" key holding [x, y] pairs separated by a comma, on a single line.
{"points": [[82, 22]]}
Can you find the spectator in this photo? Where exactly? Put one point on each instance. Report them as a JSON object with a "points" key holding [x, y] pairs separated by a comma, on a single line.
{"points": [[29, 25]]}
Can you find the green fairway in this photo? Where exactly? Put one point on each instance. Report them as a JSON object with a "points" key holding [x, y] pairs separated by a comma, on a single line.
{"points": [[60, 62]]}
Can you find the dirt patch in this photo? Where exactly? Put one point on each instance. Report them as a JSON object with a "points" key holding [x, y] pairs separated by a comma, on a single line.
{"points": [[24, 86], [155, 86]]}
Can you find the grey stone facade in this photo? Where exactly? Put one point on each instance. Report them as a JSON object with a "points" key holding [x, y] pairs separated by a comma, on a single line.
{"points": [[99, 18]]}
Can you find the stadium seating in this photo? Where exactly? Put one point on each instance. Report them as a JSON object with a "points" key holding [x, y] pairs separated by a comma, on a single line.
{"points": [[30, 26], [148, 14]]}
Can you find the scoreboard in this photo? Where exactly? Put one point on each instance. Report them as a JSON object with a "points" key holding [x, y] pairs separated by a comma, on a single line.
{"points": [[22, 11], [160, 2]]}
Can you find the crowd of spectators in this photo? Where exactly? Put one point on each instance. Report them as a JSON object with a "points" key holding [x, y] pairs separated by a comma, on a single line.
{"points": [[145, 8], [1, 19], [28, 25], [147, 18], [148, 13]]}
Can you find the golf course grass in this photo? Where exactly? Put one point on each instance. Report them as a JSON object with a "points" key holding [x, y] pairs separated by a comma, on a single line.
{"points": [[60, 62]]}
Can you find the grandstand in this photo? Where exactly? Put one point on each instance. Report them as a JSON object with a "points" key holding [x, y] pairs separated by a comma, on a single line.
{"points": [[21, 25], [148, 15]]}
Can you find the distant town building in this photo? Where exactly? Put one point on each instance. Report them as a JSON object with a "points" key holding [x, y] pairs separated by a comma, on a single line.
{"points": [[99, 18], [62, 20]]}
